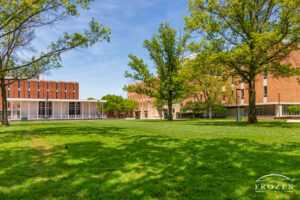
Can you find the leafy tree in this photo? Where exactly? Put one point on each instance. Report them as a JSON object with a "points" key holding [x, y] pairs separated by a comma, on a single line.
{"points": [[114, 105], [130, 106], [18, 22], [165, 50], [206, 78], [91, 98], [294, 109], [117, 104], [254, 37]]}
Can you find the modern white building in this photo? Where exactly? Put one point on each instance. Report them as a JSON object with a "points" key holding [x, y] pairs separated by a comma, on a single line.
{"points": [[56, 109]]}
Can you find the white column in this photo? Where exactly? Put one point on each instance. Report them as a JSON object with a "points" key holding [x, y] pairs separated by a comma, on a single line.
{"points": [[61, 115], [37, 110], [53, 110], [68, 110], [89, 110], [28, 109]]}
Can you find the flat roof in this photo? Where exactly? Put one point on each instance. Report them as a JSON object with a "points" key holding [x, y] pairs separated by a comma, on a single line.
{"points": [[57, 100]]}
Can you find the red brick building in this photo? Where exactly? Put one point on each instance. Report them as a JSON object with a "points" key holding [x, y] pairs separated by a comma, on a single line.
{"points": [[273, 95], [38, 99]]}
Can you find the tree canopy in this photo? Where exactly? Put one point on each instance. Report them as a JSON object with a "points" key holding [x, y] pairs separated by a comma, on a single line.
{"points": [[18, 22], [166, 50], [253, 37]]}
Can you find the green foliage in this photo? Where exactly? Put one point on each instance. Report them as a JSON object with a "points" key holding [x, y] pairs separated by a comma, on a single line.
{"points": [[91, 98], [294, 109], [194, 107], [252, 37], [116, 105], [205, 76], [130, 105], [18, 22], [165, 50]]}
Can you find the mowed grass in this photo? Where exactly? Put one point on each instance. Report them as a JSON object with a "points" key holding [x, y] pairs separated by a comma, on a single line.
{"points": [[119, 159]]}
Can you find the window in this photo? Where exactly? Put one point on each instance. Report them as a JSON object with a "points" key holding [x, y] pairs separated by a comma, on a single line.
{"points": [[28, 85], [265, 76], [38, 85], [65, 95], [242, 95], [65, 86], [8, 104], [56, 94], [38, 94], [8, 93], [45, 109], [173, 110], [56, 86], [8, 85], [74, 108], [243, 80], [47, 85], [223, 98], [28, 93], [73, 95], [19, 84], [232, 79], [47, 94], [265, 91], [73, 86], [19, 94]]}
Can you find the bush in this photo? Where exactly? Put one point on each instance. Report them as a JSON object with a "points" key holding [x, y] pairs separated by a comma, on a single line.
{"points": [[294, 109]]}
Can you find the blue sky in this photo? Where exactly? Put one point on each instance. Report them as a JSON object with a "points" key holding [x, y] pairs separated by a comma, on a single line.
{"points": [[100, 69]]}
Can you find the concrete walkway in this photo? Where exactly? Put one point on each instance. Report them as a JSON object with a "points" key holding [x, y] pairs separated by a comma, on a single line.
{"points": [[293, 121]]}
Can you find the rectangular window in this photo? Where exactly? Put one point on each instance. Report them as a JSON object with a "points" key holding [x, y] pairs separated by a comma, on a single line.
{"points": [[47, 94], [38, 85], [56, 94], [19, 84], [265, 76], [56, 86], [47, 85], [8, 104], [29, 85], [65, 86], [19, 94], [8, 93], [73, 95], [73, 86], [265, 91], [38, 94], [28, 93], [232, 79], [65, 95], [8, 84], [242, 95]]}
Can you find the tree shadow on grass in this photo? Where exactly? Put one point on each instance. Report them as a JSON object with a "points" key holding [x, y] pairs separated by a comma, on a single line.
{"points": [[245, 124], [145, 167]]}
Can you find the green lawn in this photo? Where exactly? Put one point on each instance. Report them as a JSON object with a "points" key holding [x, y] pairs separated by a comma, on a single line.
{"points": [[120, 159]]}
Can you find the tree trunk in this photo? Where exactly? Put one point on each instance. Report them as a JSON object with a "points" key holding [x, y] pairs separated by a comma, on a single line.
{"points": [[210, 112], [4, 103], [252, 119], [170, 110]]}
